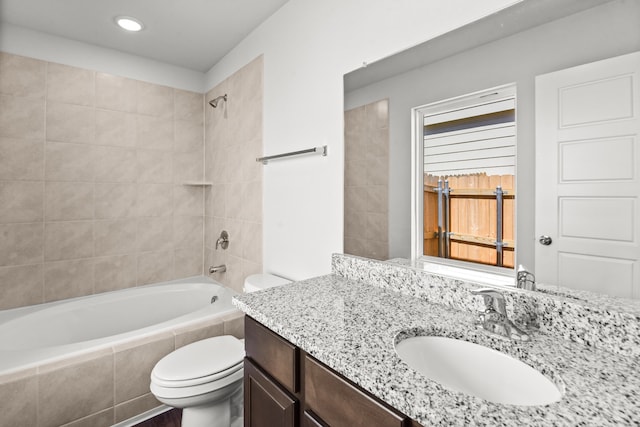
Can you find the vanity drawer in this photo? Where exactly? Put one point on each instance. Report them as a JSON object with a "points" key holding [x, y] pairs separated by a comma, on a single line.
{"points": [[272, 353], [339, 403]]}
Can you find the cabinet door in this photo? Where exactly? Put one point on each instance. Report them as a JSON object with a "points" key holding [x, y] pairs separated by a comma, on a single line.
{"points": [[310, 420], [341, 404], [272, 353], [266, 404]]}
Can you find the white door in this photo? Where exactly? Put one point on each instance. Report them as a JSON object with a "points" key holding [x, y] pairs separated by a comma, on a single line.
{"points": [[587, 184]]}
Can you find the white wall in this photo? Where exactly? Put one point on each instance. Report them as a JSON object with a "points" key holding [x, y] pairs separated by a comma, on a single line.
{"points": [[34, 44], [308, 46]]}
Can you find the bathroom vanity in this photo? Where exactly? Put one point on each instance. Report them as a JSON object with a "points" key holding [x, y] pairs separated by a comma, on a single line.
{"points": [[321, 352], [283, 384]]}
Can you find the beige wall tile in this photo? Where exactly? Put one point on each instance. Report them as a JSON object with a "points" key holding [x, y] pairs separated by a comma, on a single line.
{"points": [[188, 167], [249, 268], [115, 164], [376, 227], [20, 201], [115, 200], [355, 172], [217, 205], [21, 76], [252, 170], [355, 224], [76, 391], [251, 209], [155, 234], [155, 200], [69, 162], [154, 166], [68, 240], [22, 159], [21, 244], [188, 106], [66, 201], [71, 85], [133, 368], [252, 244], [20, 286], [377, 199], [234, 276], [134, 407], [188, 200], [154, 100], [199, 331], [188, 262], [188, 137], [115, 128], [155, 133], [21, 117], [187, 231], [19, 402], [234, 324], [234, 156], [154, 267], [101, 419], [115, 272], [114, 237], [115, 93], [68, 279], [378, 170], [233, 199], [236, 230], [70, 123], [104, 146]]}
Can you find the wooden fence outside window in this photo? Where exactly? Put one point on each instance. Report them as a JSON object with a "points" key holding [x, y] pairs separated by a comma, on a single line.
{"points": [[472, 219]]}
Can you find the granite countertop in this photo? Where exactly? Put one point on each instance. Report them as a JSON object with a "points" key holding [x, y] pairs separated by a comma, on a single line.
{"points": [[351, 326]]}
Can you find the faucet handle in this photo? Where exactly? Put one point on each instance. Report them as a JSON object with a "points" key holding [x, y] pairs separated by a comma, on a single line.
{"points": [[493, 300]]}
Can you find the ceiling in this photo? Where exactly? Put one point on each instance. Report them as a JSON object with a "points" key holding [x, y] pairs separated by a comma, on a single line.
{"points": [[193, 34]]}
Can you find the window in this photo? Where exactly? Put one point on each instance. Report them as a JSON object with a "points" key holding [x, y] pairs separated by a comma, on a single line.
{"points": [[465, 152]]}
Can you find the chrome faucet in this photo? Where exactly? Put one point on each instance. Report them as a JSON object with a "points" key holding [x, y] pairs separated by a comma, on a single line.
{"points": [[494, 318], [525, 279], [223, 240]]}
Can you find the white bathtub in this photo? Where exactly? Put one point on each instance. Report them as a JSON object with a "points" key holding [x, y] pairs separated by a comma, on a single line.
{"points": [[30, 336]]}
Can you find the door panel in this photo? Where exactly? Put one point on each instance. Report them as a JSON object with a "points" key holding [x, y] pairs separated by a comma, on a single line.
{"points": [[587, 184]]}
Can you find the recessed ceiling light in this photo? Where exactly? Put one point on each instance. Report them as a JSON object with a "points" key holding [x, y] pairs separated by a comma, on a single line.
{"points": [[128, 23]]}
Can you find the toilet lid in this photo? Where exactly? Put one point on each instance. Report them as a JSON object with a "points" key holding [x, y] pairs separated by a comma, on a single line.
{"points": [[205, 360]]}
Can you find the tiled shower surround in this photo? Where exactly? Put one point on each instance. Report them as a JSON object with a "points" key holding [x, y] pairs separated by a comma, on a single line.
{"points": [[92, 168], [366, 180], [93, 198], [233, 142]]}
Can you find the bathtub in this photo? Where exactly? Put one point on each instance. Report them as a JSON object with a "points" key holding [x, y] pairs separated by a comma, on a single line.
{"points": [[35, 335]]}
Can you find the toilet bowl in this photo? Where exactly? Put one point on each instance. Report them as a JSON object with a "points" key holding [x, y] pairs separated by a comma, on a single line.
{"points": [[201, 378], [205, 378]]}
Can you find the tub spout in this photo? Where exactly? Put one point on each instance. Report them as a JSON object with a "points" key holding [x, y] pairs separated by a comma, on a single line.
{"points": [[217, 269]]}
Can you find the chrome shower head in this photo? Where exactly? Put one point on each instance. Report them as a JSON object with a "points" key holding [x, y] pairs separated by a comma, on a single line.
{"points": [[214, 102]]}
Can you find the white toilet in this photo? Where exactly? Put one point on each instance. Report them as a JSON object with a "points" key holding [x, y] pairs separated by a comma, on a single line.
{"points": [[205, 378]]}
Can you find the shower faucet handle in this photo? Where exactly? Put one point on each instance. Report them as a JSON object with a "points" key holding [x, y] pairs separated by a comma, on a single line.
{"points": [[223, 240]]}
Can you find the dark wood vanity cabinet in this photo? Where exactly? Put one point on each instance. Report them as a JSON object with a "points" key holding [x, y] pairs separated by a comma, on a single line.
{"points": [[284, 386]]}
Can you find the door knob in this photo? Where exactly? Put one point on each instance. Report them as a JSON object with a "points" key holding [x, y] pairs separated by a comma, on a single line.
{"points": [[545, 240]]}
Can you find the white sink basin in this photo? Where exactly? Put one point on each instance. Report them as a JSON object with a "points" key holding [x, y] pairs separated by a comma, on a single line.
{"points": [[477, 370]]}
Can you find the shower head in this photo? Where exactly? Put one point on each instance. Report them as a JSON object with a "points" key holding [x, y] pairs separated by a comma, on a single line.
{"points": [[214, 102]]}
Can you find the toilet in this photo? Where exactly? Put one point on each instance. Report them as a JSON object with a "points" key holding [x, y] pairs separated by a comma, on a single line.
{"points": [[205, 378]]}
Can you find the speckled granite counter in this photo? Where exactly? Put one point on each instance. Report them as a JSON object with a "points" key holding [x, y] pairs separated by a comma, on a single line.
{"points": [[350, 326]]}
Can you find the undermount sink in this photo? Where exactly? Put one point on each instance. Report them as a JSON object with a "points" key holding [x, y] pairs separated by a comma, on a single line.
{"points": [[477, 370]]}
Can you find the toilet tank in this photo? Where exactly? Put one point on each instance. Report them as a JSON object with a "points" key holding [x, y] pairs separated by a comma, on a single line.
{"points": [[258, 282]]}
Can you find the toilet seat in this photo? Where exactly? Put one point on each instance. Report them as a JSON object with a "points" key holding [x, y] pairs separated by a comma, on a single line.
{"points": [[202, 362], [161, 392]]}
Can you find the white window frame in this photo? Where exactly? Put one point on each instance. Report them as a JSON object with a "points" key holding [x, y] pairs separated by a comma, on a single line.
{"points": [[455, 268]]}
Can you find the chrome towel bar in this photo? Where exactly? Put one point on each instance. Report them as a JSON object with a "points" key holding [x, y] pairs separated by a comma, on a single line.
{"points": [[315, 150]]}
